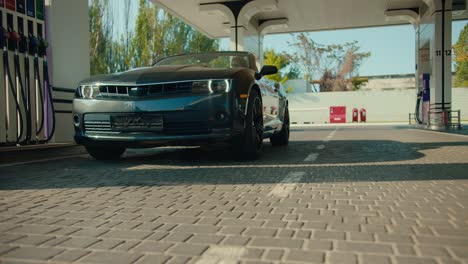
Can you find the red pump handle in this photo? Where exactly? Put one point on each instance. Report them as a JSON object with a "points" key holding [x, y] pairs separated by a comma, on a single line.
{"points": [[14, 36]]}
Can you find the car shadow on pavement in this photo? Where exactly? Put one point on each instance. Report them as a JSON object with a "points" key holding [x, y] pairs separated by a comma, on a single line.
{"points": [[339, 161]]}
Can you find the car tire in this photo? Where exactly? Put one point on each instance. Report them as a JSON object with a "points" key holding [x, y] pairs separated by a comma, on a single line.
{"points": [[282, 138], [250, 144], [105, 152]]}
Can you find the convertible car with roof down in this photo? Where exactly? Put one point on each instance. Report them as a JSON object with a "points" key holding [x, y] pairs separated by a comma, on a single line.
{"points": [[190, 99]]}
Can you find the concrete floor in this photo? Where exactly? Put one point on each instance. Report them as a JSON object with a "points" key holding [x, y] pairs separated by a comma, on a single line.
{"points": [[373, 194]]}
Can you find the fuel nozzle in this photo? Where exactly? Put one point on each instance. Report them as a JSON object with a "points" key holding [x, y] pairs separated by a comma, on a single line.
{"points": [[23, 44], [13, 39], [33, 45], [42, 49], [3, 37]]}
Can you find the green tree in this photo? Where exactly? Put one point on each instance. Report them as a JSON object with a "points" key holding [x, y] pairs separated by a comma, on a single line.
{"points": [[461, 58], [157, 34], [278, 60], [334, 64], [141, 48], [98, 41]]}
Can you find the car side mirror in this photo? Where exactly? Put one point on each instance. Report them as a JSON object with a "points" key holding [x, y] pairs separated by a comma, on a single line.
{"points": [[267, 70]]}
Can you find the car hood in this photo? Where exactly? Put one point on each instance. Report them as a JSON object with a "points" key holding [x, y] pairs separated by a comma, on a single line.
{"points": [[158, 74]]}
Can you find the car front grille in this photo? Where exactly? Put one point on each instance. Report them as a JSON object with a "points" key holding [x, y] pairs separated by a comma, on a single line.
{"points": [[97, 126], [145, 90]]}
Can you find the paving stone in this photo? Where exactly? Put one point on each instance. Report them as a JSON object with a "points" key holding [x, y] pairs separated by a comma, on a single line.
{"points": [[34, 229], [6, 248], [341, 258], [153, 259], [179, 260], [415, 260], [188, 249], [148, 226], [32, 253], [152, 247], [78, 242], [236, 240], [274, 254], [238, 222], [202, 229], [232, 230], [107, 244], [253, 231], [7, 238], [177, 237], [401, 239], [276, 242], [360, 236], [111, 257], [127, 234], [305, 256], [178, 219], [460, 252], [71, 255], [364, 247], [405, 250], [33, 240], [90, 232], [433, 251], [332, 235], [206, 239], [375, 259], [319, 245], [128, 245]]}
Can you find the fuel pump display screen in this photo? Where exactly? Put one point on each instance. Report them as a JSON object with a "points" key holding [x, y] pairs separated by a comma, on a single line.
{"points": [[10, 4], [20, 6], [40, 9], [31, 9]]}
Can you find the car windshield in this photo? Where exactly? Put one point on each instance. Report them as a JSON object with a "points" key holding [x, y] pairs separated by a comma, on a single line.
{"points": [[210, 60]]}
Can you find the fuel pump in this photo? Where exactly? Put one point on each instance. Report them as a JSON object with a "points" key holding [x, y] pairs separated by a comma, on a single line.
{"points": [[22, 47], [11, 40], [418, 106], [47, 95], [27, 114]]}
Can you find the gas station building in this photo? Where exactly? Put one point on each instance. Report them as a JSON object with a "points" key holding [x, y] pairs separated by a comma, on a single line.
{"points": [[64, 25]]}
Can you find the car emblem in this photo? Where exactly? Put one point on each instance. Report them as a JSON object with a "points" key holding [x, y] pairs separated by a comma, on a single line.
{"points": [[137, 91]]}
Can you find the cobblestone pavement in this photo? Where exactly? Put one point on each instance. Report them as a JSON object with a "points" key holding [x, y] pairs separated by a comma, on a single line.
{"points": [[334, 195]]}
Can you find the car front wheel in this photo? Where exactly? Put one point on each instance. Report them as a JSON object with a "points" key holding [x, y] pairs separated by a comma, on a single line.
{"points": [[251, 142], [105, 152]]}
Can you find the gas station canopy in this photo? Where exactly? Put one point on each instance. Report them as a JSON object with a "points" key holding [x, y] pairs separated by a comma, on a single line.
{"points": [[301, 15]]}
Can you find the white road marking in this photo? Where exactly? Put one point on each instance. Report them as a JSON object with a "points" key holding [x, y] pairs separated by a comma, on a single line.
{"points": [[42, 160], [287, 185], [330, 136], [319, 147], [222, 254], [312, 157]]}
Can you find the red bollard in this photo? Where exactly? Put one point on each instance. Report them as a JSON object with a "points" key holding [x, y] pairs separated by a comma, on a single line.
{"points": [[355, 115], [363, 114]]}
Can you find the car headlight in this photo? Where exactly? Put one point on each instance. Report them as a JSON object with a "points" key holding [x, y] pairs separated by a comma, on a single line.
{"points": [[212, 86], [87, 91]]}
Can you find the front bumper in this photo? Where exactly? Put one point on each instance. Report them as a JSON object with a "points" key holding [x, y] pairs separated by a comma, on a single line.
{"points": [[187, 120]]}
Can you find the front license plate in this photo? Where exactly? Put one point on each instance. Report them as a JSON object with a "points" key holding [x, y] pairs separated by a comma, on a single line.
{"points": [[137, 123]]}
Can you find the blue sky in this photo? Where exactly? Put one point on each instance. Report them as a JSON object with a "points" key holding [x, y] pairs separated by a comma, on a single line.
{"points": [[392, 47]]}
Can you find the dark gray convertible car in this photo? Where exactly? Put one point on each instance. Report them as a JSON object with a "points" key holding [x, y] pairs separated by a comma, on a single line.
{"points": [[193, 99]]}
